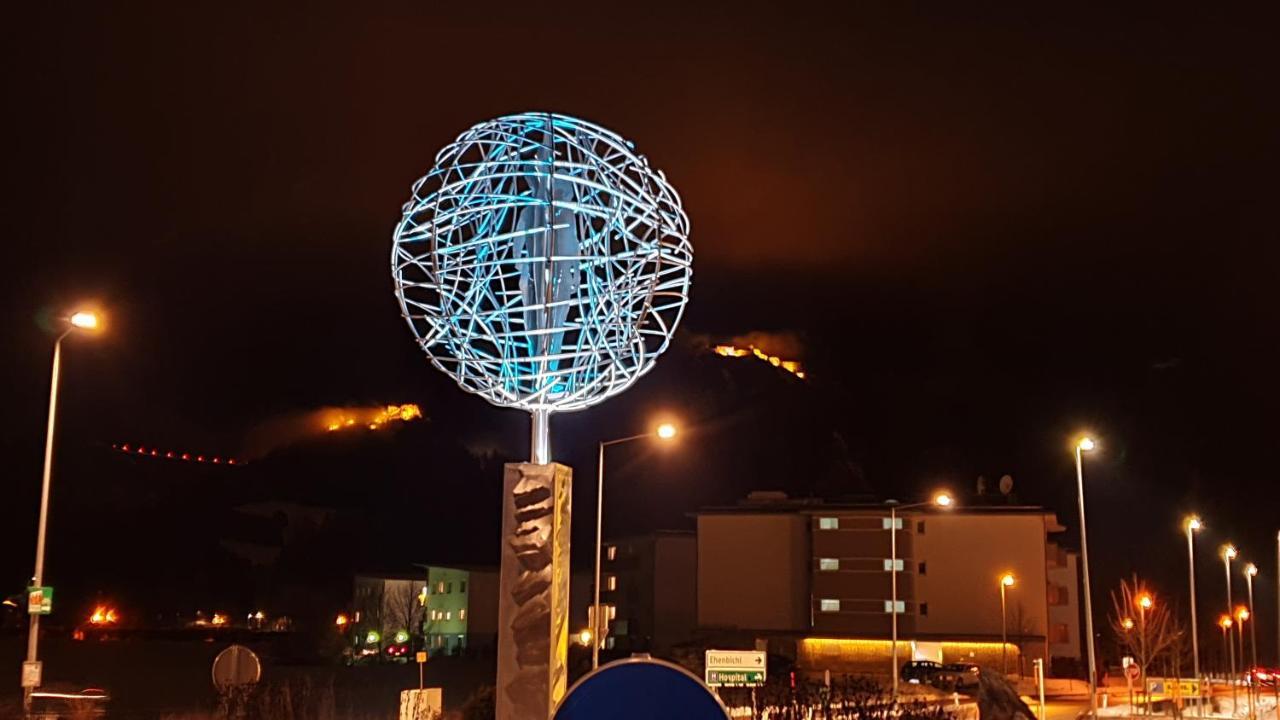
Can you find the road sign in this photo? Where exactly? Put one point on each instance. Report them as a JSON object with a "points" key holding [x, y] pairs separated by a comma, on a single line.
{"points": [[39, 600], [236, 666], [640, 688], [31, 671], [421, 656], [735, 668]]}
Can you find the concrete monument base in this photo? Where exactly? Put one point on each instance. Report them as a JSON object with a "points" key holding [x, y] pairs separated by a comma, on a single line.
{"points": [[533, 596]]}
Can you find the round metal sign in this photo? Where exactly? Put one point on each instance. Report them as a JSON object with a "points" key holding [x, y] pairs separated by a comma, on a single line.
{"points": [[640, 688], [236, 666]]}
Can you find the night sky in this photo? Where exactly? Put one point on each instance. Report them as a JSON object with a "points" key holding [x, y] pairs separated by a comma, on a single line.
{"points": [[981, 231]]}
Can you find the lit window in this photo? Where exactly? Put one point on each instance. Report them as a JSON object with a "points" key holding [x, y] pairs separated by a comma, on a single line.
{"points": [[609, 643], [829, 605], [923, 568], [440, 587], [448, 615], [611, 582], [889, 565], [828, 563], [462, 614], [901, 606], [611, 552], [896, 522], [828, 523]]}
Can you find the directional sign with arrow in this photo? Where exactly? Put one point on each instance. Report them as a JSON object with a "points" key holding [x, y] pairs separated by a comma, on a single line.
{"points": [[735, 668]]}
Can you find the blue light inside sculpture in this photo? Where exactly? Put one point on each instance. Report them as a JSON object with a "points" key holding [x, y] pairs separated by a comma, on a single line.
{"points": [[542, 263]]}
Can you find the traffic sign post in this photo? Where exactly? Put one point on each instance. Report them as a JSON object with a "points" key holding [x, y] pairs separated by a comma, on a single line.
{"points": [[39, 600], [421, 657], [31, 671], [735, 668]]}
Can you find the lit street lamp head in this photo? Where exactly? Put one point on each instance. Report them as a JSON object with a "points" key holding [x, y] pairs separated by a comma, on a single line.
{"points": [[1251, 570], [1127, 623], [1242, 614], [1145, 602], [1224, 622], [85, 320], [944, 500], [584, 637], [666, 431], [1007, 580], [1193, 523], [1229, 552], [1086, 443]]}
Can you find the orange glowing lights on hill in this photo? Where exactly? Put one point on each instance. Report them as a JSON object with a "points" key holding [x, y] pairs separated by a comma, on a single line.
{"points": [[218, 619], [372, 418], [791, 366], [104, 615], [150, 452]]}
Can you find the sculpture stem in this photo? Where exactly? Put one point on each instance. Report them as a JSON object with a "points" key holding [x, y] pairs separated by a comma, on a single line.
{"points": [[541, 438]]}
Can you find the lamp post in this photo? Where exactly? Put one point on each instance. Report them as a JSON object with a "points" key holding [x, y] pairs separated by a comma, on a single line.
{"points": [[1242, 615], [1145, 603], [82, 320], [1006, 581], [1085, 444], [1225, 623], [1229, 554], [940, 499], [665, 431], [1250, 572], [1192, 525]]}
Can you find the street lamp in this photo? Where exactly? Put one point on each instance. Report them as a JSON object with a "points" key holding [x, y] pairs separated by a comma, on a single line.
{"points": [[1083, 445], [1192, 525], [1242, 615], [1250, 572], [940, 499], [81, 320], [1225, 623], [1228, 554], [1144, 603], [665, 431], [1006, 581]]}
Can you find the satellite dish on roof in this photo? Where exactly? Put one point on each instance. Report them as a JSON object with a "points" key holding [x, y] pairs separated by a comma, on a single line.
{"points": [[1006, 484]]}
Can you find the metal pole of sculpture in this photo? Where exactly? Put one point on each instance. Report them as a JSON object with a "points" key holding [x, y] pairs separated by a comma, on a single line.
{"points": [[543, 265]]}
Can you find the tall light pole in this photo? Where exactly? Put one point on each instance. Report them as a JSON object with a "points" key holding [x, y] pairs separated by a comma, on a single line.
{"points": [[1006, 581], [943, 500], [665, 431], [1242, 616], [1225, 623], [82, 320], [1084, 445], [1145, 603], [1229, 554], [1192, 525], [1250, 572]]}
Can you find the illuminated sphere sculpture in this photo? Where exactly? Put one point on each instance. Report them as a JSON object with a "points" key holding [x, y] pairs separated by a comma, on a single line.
{"points": [[542, 263]]}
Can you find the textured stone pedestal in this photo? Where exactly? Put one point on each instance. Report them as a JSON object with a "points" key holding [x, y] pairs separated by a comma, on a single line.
{"points": [[533, 595]]}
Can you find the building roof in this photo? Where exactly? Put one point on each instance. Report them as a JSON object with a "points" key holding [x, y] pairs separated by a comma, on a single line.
{"points": [[770, 503]]}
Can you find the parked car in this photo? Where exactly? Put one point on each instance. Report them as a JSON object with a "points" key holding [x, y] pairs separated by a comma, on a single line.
{"points": [[956, 676], [919, 672], [1262, 677]]}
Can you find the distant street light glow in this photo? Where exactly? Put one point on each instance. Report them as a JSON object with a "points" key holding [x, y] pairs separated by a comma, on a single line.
{"points": [[943, 499], [1194, 523], [1007, 580], [1229, 551], [1086, 443], [666, 431], [85, 320], [1145, 602]]}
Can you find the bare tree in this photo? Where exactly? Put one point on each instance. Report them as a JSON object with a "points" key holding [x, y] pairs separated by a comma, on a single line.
{"points": [[405, 608], [1144, 627]]}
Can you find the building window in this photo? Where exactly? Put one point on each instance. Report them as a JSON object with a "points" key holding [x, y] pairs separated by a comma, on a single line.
{"points": [[611, 552], [612, 611], [828, 523], [611, 582], [1058, 633], [829, 605], [889, 565], [924, 609], [620, 627], [448, 615], [920, 527], [462, 586], [901, 606], [462, 614], [448, 587], [828, 563], [886, 522], [923, 568], [609, 643], [440, 587]]}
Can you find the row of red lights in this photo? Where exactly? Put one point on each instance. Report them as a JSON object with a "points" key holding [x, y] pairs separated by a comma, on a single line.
{"points": [[171, 455]]}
